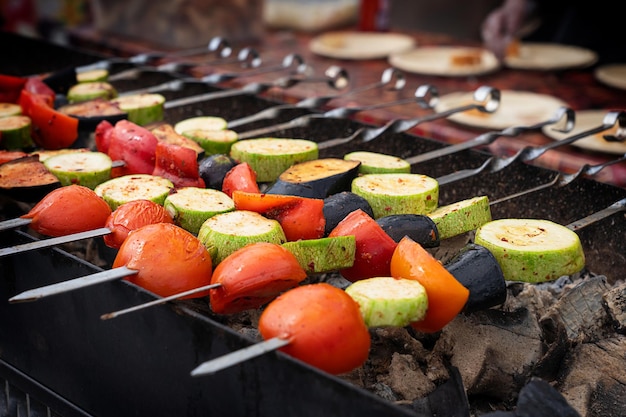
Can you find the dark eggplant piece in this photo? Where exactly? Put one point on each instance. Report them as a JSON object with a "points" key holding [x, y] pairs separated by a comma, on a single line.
{"points": [[213, 169], [338, 206], [421, 229], [26, 179], [478, 270], [318, 178]]}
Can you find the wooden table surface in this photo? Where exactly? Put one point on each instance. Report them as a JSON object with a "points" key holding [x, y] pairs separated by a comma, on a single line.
{"points": [[576, 87]]}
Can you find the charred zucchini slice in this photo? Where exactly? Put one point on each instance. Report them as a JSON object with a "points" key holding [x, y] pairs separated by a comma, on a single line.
{"points": [[120, 190], [91, 90], [318, 178], [532, 250], [190, 207], [88, 169], [461, 217], [378, 163], [142, 109]]}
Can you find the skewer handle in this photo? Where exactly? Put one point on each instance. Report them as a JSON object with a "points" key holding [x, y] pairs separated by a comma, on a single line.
{"points": [[231, 359], [45, 243], [73, 284]]}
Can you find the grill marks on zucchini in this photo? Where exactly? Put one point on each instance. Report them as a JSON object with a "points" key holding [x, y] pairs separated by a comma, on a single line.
{"points": [[88, 169], [378, 163], [532, 250], [460, 217], [190, 207], [142, 109], [120, 190]]}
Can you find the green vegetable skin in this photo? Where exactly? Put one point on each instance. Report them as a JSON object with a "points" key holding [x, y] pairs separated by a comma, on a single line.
{"points": [[142, 109], [190, 207], [120, 190], [88, 169], [377, 163], [386, 301], [398, 193], [532, 250], [460, 217], [323, 255]]}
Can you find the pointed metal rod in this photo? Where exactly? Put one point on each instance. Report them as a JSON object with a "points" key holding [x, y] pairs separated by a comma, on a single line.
{"points": [[487, 100], [563, 116], [73, 284], [231, 359], [529, 153], [46, 243], [563, 179], [159, 301], [614, 208], [391, 78], [14, 223]]}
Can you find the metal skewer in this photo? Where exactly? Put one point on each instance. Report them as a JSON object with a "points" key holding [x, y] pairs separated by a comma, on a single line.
{"points": [[13, 223], [530, 153], [45, 243], [563, 179]]}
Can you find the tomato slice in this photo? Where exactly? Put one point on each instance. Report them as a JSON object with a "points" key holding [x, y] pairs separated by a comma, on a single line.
{"points": [[374, 247], [300, 217], [169, 260], [102, 136], [241, 177], [446, 295], [10, 87], [135, 145], [51, 129], [252, 276], [178, 164], [131, 216], [67, 210], [323, 324]]}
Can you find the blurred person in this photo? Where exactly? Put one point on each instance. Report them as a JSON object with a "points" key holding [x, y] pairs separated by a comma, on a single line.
{"points": [[595, 25]]}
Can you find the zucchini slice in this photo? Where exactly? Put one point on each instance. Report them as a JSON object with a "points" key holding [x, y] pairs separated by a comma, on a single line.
{"points": [[270, 157], [15, 132], [93, 75], [91, 90], [88, 169], [192, 206], [461, 217], [398, 193], [213, 141], [317, 178], [386, 301], [224, 233], [10, 109], [532, 250], [200, 123], [120, 190], [378, 163], [327, 254], [142, 109]]}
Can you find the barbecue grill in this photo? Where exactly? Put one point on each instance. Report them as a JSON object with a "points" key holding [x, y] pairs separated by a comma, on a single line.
{"points": [[57, 357]]}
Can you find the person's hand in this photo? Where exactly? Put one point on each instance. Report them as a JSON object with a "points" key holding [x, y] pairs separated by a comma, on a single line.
{"points": [[501, 26]]}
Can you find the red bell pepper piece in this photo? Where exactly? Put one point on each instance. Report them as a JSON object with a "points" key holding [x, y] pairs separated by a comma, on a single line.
{"points": [[133, 144], [10, 88], [51, 129], [374, 247], [241, 177], [36, 86], [177, 163], [300, 217]]}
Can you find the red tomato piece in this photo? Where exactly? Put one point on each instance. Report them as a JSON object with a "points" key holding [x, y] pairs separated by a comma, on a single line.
{"points": [[67, 210], [323, 324], [102, 136], [135, 145], [252, 276], [300, 217], [446, 295], [374, 247], [51, 129], [241, 177], [10, 87], [178, 164], [169, 260], [36, 86], [131, 216]]}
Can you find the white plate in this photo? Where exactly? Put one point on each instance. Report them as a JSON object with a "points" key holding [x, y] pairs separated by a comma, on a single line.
{"points": [[360, 45], [549, 56], [517, 108], [585, 120], [613, 75], [437, 60]]}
